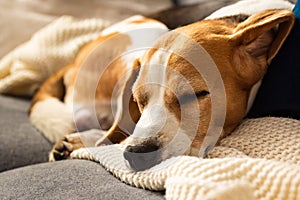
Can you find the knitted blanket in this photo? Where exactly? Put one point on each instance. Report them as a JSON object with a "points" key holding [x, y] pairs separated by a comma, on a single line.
{"points": [[56, 45], [259, 160]]}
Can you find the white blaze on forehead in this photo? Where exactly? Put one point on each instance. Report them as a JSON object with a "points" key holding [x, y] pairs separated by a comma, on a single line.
{"points": [[156, 76], [162, 57], [156, 117], [155, 73]]}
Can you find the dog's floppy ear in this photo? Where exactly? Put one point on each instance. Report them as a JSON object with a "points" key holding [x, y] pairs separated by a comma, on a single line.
{"points": [[260, 37], [128, 114]]}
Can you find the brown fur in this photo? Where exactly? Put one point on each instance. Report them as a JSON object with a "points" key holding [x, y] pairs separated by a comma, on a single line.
{"points": [[55, 85], [52, 87], [116, 134], [241, 49]]}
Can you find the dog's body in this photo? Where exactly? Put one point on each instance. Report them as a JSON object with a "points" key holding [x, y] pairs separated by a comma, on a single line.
{"points": [[166, 87], [93, 75]]}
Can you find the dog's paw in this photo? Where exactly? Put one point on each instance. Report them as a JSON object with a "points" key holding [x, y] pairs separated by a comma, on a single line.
{"points": [[62, 149]]}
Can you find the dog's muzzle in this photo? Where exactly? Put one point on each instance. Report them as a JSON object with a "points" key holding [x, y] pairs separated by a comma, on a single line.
{"points": [[141, 157]]}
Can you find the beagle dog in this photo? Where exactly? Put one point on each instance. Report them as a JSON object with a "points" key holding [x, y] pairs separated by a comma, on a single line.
{"points": [[179, 93]]}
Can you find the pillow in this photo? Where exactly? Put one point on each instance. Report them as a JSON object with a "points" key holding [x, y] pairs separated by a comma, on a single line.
{"points": [[279, 93]]}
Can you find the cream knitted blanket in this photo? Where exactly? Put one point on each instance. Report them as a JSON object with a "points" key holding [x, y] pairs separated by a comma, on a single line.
{"points": [[259, 160], [56, 45]]}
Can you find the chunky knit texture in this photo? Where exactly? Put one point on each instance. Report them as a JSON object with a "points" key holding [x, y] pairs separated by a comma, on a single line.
{"points": [[51, 48], [259, 160]]}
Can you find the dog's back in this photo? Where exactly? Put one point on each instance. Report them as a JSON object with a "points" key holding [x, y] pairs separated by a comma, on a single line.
{"points": [[66, 102]]}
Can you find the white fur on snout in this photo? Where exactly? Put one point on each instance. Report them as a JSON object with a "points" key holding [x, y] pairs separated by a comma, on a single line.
{"points": [[152, 121], [156, 120]]}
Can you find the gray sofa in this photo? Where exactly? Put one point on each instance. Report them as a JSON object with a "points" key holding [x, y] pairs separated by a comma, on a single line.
{"points": [[21, 145]]}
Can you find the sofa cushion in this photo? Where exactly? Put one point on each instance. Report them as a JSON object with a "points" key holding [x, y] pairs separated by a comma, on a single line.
{"points": [[71, 179], [279, 93], [21, 144]]}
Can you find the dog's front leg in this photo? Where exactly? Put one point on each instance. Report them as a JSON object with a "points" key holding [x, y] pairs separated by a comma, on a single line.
{"points": [[63, 148]]}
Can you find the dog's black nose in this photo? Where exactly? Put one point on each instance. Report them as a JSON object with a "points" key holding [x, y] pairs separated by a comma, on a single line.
{"points": [[142, 157]]}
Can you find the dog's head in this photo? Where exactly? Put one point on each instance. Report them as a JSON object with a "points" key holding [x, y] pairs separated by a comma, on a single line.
{"points": [[176, 100]]}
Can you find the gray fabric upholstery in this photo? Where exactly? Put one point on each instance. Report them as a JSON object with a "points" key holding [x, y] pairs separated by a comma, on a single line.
{"points": [[20, 143], [71, 179]]}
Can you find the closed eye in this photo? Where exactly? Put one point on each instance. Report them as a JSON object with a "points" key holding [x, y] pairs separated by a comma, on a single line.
{"points": [[186, 98]]}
